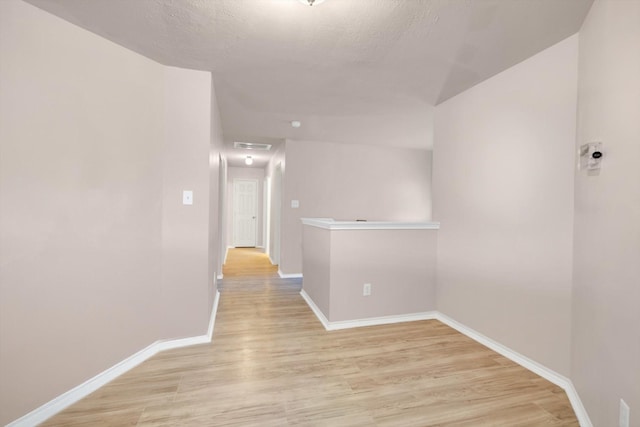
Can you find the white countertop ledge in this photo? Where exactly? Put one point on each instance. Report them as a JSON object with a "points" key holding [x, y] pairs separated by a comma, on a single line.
{"points": [[331, 224]]}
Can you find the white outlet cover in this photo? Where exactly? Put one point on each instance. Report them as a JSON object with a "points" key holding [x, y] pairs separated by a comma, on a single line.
{"points": [[295, 204]]}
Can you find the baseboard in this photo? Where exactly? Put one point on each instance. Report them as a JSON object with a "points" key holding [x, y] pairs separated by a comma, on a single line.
{"points": [[382, 320], [535, 367], [370, 321], [576, 404], [289, 276], [214, 313], [226, 252], [316, 310], [70, 397]]}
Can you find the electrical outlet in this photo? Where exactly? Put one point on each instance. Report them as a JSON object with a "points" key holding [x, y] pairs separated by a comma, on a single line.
{"points": [[366, 289], [624, 414]]}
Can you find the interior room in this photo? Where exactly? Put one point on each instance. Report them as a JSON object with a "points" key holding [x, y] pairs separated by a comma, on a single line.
{"points": [[443, 185]]}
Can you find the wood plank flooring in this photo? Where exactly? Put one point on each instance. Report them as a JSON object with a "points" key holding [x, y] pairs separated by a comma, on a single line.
{"points": [[248, 262], [272, 364]]}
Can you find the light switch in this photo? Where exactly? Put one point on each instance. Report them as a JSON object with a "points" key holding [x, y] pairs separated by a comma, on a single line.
{"points": [[187, 197], [295, 204]]}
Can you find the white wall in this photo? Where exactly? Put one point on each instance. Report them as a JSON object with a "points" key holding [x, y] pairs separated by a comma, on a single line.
{"points": [[400, 265], [317, 267], [185, 247], [225, 241], [217, 184], [275, 172], [349, 181], [503, 191], [99, 258], [606, 291]]}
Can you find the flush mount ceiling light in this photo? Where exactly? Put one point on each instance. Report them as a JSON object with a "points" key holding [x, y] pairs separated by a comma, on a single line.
{"points": [[296, 124], [312, 2], [248, 161]]}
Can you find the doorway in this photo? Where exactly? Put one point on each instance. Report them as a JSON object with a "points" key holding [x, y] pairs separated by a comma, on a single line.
{"points": [[245, 203]]}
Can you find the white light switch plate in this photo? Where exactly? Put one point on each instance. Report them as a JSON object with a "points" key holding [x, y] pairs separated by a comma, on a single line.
{"points": [[366, 289], [295, 204], [187, 197]]}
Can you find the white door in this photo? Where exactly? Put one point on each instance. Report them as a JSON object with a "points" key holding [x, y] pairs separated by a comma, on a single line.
{"points": [[245, 201]]}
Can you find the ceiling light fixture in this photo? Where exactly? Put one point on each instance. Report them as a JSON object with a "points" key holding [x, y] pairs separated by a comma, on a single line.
{"points": [[296, 124], [312, 2], [248, 161]]}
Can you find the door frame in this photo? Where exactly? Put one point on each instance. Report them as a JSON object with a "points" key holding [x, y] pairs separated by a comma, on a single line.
{"points": [[275, 211]]}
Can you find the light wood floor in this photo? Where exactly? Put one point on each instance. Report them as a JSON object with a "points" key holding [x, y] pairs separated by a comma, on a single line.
{"points": [[248, 262], [272, 364]]}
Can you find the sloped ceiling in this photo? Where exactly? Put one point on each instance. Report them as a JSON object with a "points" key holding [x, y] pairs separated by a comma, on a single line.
{"points": [[356, 71]]}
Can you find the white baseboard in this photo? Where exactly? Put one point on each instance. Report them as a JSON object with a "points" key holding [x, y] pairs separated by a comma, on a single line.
{"points": [[214, 313], [535, 367], [70, 397], [289, 276], [549, 374], [316, 310], [370, 321], [383, 320], [226, 252], [576, 404]]}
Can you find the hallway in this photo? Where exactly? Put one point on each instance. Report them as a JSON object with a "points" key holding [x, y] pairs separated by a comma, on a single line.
{"points": [[271, 363], [247, 262]]}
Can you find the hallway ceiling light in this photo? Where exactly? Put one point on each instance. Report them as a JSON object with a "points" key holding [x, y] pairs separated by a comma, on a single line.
{"points": [[296, 124], [312, 2], [248, 161]]}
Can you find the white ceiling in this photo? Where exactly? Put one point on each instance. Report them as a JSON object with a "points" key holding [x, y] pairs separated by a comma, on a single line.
{"points": [[357, 71]]}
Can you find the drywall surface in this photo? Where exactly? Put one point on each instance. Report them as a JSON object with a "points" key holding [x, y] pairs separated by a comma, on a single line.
{"points": [[606, 290], [275, 172], [256, 174], [317, 265], [348, 182], [97, 144], [217, 201], [400, 266], [503, 193], [185, 228]]}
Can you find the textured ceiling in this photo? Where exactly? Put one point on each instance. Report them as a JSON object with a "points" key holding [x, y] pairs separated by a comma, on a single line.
{"points": [[360, 71]]}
